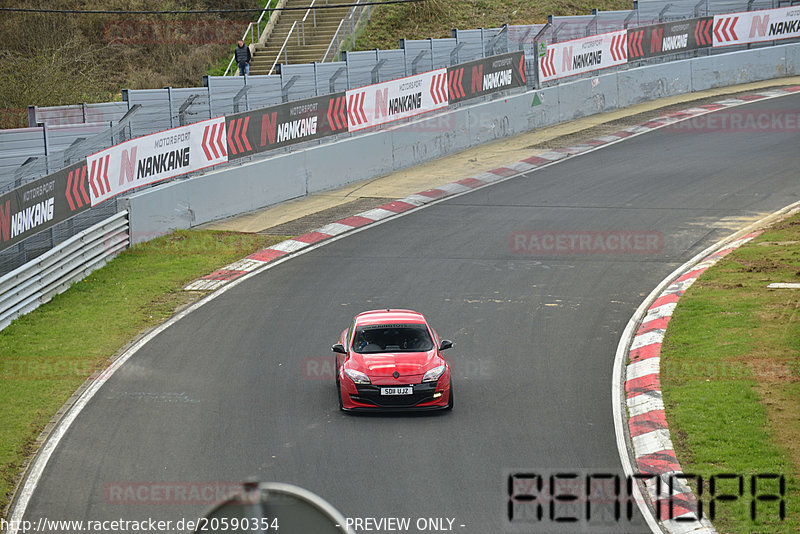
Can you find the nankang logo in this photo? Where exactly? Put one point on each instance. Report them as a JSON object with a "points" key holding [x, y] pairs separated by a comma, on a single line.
{"points": [[168, 161], [675, 42], [589, 59], [494, 80], [31, 217], [402, 104], [297, 129]]}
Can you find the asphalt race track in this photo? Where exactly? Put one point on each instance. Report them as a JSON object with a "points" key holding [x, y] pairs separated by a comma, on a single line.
{"points": [[239, 388]]}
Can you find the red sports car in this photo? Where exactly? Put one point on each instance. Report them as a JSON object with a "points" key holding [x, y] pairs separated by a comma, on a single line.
{"points": [[390, 360]]}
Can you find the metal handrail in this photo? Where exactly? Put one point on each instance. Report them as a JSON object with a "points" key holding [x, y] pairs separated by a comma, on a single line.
{"points": [[350, 16], [333, 40], [250, 31], [283, 48], [303, 22]]}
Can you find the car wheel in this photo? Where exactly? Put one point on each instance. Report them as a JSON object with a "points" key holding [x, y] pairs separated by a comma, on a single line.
{"points": [[339, 394], [450, 400]]}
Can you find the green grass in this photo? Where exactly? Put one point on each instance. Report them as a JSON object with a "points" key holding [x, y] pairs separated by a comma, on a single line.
{"points": [[730, 379], [436, 18], [46, 355]]}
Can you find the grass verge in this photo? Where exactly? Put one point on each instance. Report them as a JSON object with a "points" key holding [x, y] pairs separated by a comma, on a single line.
{"points": [[46, 355], [730, 376]]}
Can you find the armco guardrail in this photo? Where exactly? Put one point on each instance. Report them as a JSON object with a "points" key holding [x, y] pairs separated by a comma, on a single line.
{"points": [[36, 282]]}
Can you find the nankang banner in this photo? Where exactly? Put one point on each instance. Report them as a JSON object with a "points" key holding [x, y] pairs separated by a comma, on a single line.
{"points": [[396, 99], [484, 76], [757, 26], [669, 38], [578, 56], [155, 157], [42, 203], [285, 124]]}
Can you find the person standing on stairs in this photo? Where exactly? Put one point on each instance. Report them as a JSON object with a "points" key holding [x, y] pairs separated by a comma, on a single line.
{"points": [[243, 58]]}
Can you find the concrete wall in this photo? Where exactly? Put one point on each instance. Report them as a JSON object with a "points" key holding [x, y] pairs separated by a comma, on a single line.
{"points": [[254, 185]]}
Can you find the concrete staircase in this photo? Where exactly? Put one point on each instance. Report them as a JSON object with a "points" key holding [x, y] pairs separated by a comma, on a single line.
{"points": [[317, 36]]}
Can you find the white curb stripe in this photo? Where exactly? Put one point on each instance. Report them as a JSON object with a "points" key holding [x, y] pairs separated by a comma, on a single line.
{"points": [[333, 229], [245, 265], [645, 403], [652, 442], [290, 245], [377, 214], [646, 367], [665, 310], [650, 338]]}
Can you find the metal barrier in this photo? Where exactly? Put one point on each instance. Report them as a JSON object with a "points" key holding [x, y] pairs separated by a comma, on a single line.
{"points": [[26, 288]]}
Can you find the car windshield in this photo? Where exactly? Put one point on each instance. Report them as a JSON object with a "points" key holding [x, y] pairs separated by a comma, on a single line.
{"points": [[392, 338]]}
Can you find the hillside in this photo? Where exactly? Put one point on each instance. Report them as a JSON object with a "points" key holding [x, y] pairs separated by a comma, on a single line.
{"points": [[435, 18], [55, 59]]}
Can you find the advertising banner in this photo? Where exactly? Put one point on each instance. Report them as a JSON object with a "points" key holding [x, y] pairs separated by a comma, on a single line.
{"points": [[155, 157], [669, 38], [484, 76], [396, 99], [267, 128], [583, 55], [757, 26], [42, 203]]}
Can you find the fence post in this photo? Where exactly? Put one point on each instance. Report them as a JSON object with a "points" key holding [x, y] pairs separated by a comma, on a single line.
{"points": [[169, 97], [46, 148]]}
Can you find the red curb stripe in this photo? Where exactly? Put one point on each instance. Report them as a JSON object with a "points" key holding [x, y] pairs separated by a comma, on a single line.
{"points": [[471, 182], [224, 274], [643, 353], [643, 384], [355, 221], [398, 206], [750, 98], [622, 133], [505, 172], [647, 422], [692, 274], [596, 142], [655, 324], [312, 237], [433, 193], [666, 299], [571, 150], [681, 503], [266, 255], [536, 160], [792, 89], [659, 463]]}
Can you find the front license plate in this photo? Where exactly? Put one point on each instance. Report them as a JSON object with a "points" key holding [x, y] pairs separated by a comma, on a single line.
{"points": [[397, 391]]}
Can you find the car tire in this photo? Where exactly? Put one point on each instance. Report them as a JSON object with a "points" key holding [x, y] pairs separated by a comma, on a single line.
{"points": [[450, 400], [339, 394]]}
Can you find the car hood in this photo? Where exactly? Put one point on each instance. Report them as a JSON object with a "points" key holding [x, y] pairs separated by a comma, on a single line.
{"points": [[405, 363]]}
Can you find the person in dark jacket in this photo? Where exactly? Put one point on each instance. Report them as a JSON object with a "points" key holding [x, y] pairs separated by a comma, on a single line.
{"points": [[243, 58]]}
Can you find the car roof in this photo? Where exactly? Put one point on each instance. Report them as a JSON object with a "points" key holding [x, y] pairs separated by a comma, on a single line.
{"points": [[389, 316]]}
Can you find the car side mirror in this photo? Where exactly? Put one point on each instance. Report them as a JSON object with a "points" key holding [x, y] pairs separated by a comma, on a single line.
{"points": [[446, 344], [339, 348]]}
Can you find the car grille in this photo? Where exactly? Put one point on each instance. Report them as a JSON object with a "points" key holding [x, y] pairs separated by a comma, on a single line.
{"points": [[369, 394]]}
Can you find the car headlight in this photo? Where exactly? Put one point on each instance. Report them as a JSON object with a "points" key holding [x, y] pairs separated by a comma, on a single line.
{"points": [[434, 374], [357, 376]]}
